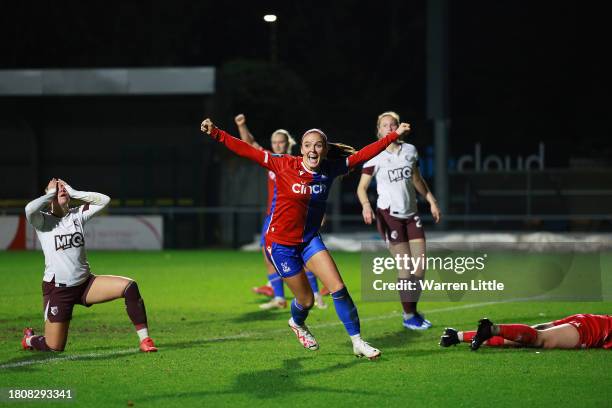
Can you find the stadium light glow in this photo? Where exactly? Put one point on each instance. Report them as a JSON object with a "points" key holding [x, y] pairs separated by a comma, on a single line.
{"points": [[270, 18]]}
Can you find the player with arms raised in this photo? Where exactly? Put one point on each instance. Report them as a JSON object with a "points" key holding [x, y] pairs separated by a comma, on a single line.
{"points": [[292, 239], [282, 143], [68, 280]]}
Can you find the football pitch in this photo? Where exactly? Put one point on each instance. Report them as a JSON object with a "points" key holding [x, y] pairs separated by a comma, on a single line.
{"points": [[217, 348]]}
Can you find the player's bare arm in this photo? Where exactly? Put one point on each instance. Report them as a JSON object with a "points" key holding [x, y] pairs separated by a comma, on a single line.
{"points": [[421, 186], [245, 133], [362, 194]]}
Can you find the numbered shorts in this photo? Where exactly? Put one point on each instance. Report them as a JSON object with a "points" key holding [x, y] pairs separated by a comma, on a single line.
{"points": [[264, 229], [58, 302], [396, 230], [289, 260]]}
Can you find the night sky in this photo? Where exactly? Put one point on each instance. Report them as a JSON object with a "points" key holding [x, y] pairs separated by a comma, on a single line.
{"points": [[520, 71]]}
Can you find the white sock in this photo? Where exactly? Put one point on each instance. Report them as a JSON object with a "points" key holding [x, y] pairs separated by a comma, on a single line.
{"points": [[29, 341], [460, 336], [408, 316], [142, 333], [279, 298], [356, 337]]}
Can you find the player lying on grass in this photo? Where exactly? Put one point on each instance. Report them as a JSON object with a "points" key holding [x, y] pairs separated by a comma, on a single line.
{"points": [[282, 143], [292, 240], [68, 280], [575, 331]]}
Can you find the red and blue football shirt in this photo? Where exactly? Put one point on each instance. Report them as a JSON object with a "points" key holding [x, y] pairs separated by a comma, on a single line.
{"points": [[299, 202]]}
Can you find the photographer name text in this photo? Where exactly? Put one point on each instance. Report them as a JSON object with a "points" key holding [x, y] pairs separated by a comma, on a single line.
{"points": [[432, 285]]}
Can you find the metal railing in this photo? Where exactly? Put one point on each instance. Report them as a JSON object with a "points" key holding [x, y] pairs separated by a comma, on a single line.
{"points": [[197, 227]]}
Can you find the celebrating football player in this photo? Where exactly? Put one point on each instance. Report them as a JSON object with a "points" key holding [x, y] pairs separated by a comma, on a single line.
{"points": [[282, 143], [292, 239]]}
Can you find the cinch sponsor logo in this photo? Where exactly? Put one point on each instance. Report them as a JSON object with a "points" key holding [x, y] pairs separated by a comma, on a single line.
{"points": [[403, 173], [298, 188], [69, 240]]}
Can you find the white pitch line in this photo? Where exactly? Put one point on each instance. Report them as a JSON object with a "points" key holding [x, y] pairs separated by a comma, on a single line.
{"points": [[395, 315], [110, 353], [67, 358], [232, 337]]}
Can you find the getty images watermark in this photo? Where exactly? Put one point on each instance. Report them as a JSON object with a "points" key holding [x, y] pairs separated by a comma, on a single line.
{"points": [[412, 266], [484, 272]]}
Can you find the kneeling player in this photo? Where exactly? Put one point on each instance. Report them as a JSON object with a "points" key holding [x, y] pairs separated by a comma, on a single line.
{"points": [[68, 280], [575, 331]]}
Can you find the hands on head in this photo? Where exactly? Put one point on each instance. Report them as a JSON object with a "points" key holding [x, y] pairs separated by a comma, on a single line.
{"points": [[58, 185], [52, 185], [59, 205]]}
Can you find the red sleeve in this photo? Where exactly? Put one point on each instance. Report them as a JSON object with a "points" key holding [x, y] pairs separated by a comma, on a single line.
{"points": [[368, 170], [371, 150], [243, 149]]}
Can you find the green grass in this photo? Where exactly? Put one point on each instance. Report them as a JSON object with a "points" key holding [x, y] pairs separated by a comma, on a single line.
{"points": [[218, 349]]}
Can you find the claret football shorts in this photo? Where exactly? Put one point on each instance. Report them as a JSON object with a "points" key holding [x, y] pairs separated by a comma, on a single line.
{"points": [[395, 230], [58, 302]]}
